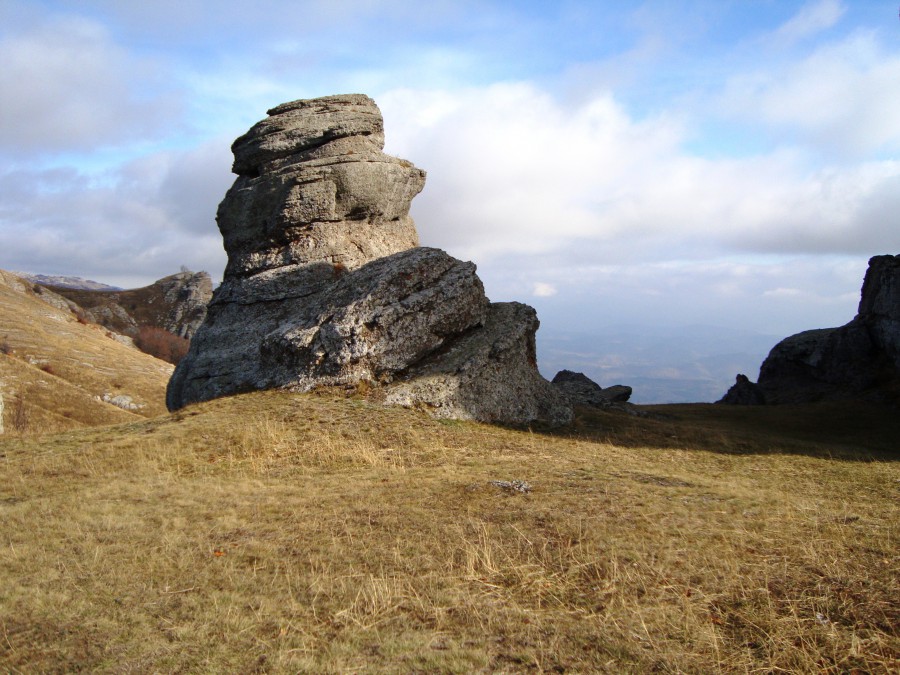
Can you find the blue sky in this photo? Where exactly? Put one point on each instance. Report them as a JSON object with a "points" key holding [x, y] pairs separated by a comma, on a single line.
{"points": [[729, 163]]}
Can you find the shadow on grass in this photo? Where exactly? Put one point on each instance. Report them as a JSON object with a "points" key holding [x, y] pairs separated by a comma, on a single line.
{"points": [[847, 431]]}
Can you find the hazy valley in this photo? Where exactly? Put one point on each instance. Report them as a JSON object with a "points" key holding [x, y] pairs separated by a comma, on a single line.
{"points": [[662, 365]]}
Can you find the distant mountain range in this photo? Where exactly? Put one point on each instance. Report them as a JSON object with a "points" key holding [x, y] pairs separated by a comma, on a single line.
{"points": [[60, 281]]}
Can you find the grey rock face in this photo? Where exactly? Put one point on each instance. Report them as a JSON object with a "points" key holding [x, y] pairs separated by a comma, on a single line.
{"points": [[325, 284], [743, 392], [55, 299], [301, 130], [488, 374], [314, 186], [185, 296], [858, 360]]}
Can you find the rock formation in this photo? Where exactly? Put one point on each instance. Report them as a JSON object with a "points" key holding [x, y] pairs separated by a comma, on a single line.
{"points": [[326, 285], [743, 392], [582, 390], [176, 303], [579, 389], [860, 360]]}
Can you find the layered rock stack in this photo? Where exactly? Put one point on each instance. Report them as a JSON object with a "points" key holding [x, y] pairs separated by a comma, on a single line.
{"points": [[860, 360], [325, 283]]}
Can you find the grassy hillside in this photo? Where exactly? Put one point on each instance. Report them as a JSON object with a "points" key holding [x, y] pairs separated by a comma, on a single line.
{"points": [[293, 533], [61, 369], [124, 310]]}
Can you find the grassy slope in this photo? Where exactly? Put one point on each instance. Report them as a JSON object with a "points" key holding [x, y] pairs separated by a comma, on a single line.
{"points": [[285, 533], [60, 366]]}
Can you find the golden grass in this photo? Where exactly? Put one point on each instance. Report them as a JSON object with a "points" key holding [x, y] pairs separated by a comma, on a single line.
{"points": [[63, 368], [300, 533]]}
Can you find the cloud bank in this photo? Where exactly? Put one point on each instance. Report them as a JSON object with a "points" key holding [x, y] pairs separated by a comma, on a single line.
{"points": [[619, 163]]}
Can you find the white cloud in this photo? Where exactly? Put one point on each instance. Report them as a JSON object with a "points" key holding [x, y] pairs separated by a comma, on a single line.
{"points": [[843, 96], [543, 290], [513, 172], [812, 18], [774, 295], [66, 85], [128, 227], [783, 293]]}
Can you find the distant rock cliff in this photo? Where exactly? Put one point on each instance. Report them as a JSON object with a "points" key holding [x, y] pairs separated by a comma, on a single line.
{"points": [[860, 360], [326, 285], [743, 392], [176, 303]]}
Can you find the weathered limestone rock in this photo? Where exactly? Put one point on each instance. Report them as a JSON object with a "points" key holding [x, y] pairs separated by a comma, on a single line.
{"points": [[488, 374], [301, 130], [55, 299], [325, 284], [314, 186], [743, 392], [184, 299], [860, 360]]}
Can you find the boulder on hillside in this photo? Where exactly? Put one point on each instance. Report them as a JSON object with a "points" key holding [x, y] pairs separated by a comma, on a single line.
{"points": [[489, 374], [326, 286], [314, 186], [582, 390]]}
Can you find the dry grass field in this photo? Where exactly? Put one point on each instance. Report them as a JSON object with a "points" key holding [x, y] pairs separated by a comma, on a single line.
{"points": [[61, 369], [274, 532]]}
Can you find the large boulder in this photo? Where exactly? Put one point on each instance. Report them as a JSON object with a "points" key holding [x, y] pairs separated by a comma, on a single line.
{"points": [[860, 360], [489, 374], [184, 299], [326, 286]]}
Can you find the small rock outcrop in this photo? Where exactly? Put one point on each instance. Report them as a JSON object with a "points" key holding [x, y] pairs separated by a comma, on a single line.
{"points": [[743, 392], [184, 299], [326, 285], [579, 389], [860, 360]]}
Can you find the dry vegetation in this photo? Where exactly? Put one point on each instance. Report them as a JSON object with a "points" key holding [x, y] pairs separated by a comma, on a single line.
{"points": [[62, 368], [281, 533], [162, 344]]}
